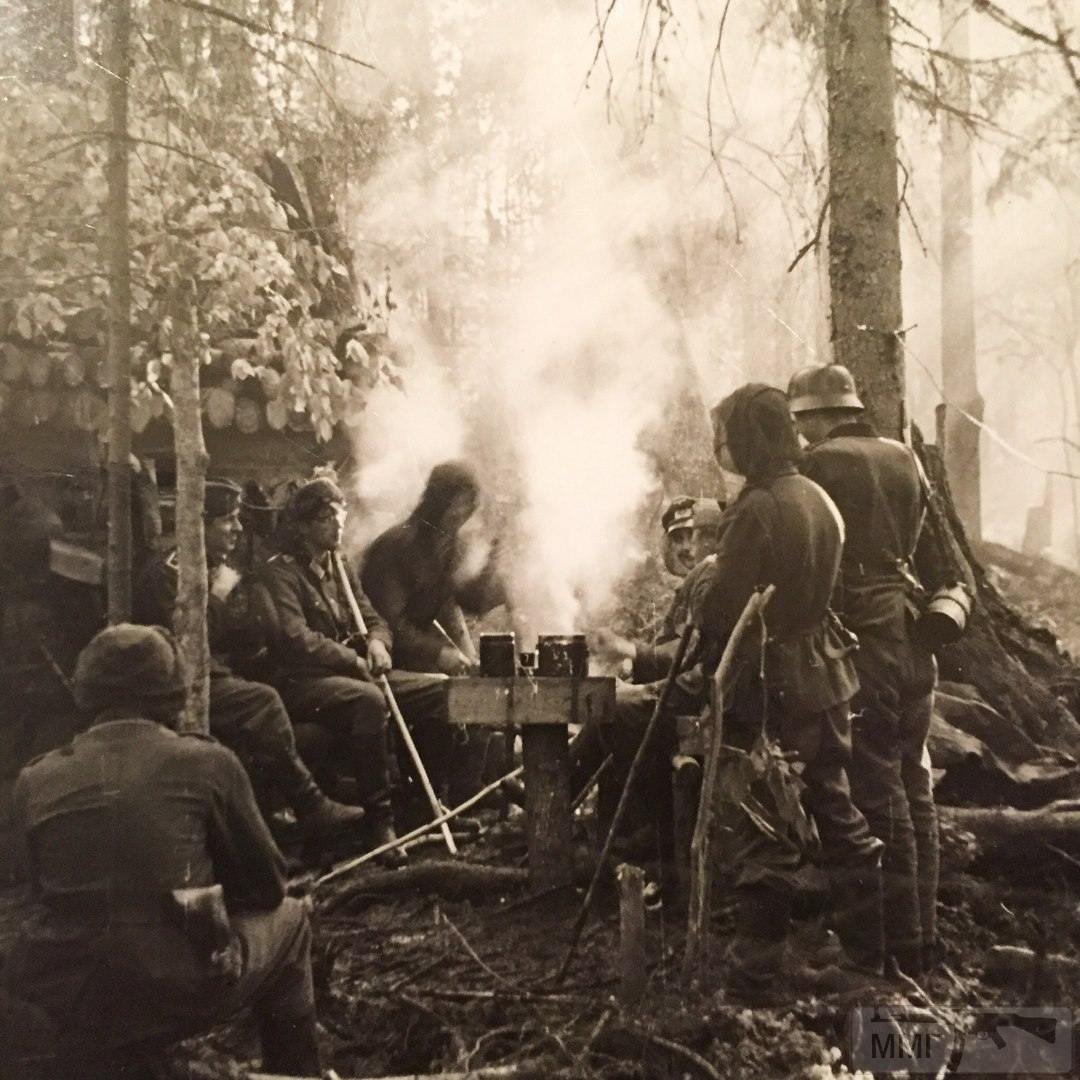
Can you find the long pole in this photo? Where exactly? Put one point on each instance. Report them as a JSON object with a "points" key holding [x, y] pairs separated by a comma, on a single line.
{"points": [[701, 846], [403, 728], [624, 799], [118, 65]]}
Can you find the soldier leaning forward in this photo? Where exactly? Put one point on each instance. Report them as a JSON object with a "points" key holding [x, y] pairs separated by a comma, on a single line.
{"points": [[783, 530], [879, 486], [326, 673], [124, 830], [246, 716]]}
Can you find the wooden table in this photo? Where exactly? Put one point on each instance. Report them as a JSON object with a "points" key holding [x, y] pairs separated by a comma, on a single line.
{"points": [[543, 707]]}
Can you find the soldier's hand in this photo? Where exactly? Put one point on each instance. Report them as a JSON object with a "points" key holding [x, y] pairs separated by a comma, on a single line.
{"points": [[634, 693], [363, 668], [378, 658], [452, 661], [610, 647], [223, 580]]}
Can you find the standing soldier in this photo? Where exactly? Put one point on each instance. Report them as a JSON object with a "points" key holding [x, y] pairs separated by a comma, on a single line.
{"points": [[160, 905], [879, 487], [794, 687], [246, 716]]}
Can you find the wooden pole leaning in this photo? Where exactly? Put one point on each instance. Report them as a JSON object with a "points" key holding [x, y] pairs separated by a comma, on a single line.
{"points": [[403, 729], [701, 869]]}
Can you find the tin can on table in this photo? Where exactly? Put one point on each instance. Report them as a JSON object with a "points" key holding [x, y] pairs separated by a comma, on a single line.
{"points": [[498, 655], [565, 655]]}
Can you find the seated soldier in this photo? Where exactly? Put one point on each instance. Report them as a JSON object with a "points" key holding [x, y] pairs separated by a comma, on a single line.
{"points": [[124, 830], [417, 574], [326, 671], [689, 529], [248, 717]]}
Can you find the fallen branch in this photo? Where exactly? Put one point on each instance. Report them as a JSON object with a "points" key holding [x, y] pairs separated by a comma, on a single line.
{"points": [[620, 809], [435, 823], [524, 1071], [1014, 964], [618, 1040], [454, 880], [1013, 838]]}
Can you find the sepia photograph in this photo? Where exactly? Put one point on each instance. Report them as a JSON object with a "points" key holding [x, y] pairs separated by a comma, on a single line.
{"points": [[539, 539]]}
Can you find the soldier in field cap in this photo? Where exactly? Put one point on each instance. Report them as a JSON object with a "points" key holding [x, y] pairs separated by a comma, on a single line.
{"points": [[246, 716], [160, 905]]}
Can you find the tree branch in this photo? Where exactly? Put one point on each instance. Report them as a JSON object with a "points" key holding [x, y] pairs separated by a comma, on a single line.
{"points": [[259, 28], [813, 241]]}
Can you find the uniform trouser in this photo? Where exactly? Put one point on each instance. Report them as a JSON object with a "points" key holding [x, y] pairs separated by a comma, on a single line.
{"points": [[765, 867], [251, 720], [465, 753], [893, 785], [276, 975], [651, 800], [353, 712], [275, 981]]}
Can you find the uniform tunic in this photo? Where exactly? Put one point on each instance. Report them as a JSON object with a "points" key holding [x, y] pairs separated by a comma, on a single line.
{"points": [[111, 825]]}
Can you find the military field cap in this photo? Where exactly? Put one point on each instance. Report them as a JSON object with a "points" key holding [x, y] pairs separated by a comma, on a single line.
{"points": [[310, 499], [679, 514], [220, 498], [707, 514], [129, 665]]}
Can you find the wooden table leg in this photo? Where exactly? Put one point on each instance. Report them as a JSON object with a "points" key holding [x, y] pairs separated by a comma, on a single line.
{"points": [[546, 755]]}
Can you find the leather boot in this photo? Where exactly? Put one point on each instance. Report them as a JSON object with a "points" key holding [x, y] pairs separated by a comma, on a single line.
{"points": [[319, 816], [858, 916], [756, 953], [381, 830], [290, 1047]]}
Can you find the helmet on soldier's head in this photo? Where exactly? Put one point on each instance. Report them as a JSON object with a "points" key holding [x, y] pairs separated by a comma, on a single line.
{"points": [[822, 386]]}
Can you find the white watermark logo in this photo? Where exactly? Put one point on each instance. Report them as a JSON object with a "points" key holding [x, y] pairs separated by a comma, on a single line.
{"points": [[984, 1042]]}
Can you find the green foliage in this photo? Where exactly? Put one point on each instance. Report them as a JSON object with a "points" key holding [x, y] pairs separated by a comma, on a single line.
{"points": [[208, 100]]}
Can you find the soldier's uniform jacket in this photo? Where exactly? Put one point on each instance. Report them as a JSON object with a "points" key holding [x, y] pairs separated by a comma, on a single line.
{"points": [[879, 487], [312, 618], [652, 661], [782, 530], [236, 627], [113, 823], [414, 579]]}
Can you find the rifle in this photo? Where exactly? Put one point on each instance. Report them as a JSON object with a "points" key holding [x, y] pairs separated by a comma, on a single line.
{"points": [[384, 685]]}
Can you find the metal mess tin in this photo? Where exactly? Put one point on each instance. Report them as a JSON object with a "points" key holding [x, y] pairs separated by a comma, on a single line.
{"points": [[498, 655], [565, 655]]}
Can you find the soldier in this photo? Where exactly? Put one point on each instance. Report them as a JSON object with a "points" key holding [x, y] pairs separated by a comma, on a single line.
{"points": [[325, 672], [783, 530], [123, 830], [246, 716], [417, 576], [879, 486], [689, 530]]}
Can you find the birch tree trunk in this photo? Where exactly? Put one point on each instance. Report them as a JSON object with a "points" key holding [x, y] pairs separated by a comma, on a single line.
{"points": [[958, 368], [189, 619], [118, 62], [864, 234]]}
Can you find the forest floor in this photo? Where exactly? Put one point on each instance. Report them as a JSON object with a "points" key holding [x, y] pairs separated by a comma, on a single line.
{"points": [[458, 975]]}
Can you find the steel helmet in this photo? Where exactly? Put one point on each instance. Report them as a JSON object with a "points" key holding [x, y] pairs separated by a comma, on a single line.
{"points": [[822, 386]]}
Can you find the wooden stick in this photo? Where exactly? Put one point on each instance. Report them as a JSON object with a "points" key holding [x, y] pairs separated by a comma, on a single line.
{"points": [[704, 830], [403, 728], [620, 809], [584, 793], [440, 821], [632, 969]]}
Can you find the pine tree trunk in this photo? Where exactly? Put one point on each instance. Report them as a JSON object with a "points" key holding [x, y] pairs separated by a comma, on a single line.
{"points": [[191, 462], [864, 234], [118, 62], [958, 368]]}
